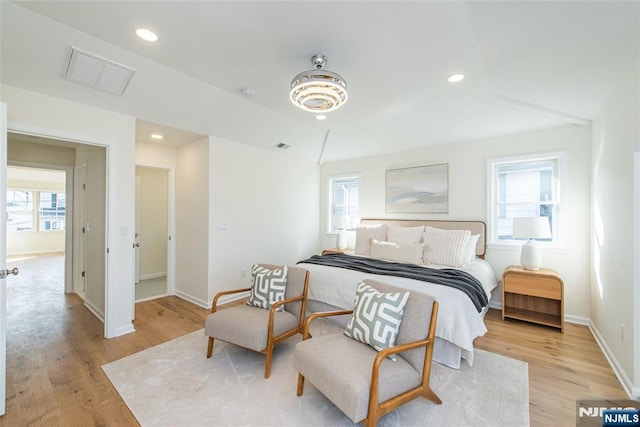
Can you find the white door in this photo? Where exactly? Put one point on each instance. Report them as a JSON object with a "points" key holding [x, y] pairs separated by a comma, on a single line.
{"points": [[136, 243], [3, 255]]}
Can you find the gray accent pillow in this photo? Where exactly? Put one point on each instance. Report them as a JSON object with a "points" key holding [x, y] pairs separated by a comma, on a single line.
{"points": [[267, 286], [376, 317]]}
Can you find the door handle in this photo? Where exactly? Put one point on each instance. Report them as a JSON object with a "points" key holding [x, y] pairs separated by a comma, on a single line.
{"points": [[136, 245], [5, 273]]}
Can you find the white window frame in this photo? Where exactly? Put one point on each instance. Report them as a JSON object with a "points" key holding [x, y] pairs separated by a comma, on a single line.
{"points": [[329, 212], [36, 212], [559, 189]]}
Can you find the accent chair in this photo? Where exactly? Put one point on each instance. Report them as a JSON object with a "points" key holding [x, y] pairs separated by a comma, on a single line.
{"points": [[362, 381], [256, 328]]}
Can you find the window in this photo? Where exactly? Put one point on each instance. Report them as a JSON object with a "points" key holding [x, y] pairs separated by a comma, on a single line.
{"points": [[524, 187], [19, 210], [23, 205], [343, 202], [52, 211]]}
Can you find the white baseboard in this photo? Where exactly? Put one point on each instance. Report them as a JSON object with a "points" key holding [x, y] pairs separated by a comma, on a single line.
{"points": [[93, 309], [192, 299], [153, 275], [625, 381], [123, 330], [229, 298], [223, 300]]}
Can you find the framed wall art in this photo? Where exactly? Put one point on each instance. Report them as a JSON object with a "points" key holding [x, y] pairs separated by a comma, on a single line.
{"points": [[421, 189]]}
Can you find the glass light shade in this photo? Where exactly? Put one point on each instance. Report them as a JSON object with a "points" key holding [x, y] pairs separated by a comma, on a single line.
{"points": [[318, 90]]}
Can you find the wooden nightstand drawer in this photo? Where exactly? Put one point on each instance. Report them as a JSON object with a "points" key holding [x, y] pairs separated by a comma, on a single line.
{"points": [[537, 287], [533, 295]]}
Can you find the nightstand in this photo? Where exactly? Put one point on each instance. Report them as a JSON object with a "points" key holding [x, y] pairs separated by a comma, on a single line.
{"points": [[337, 251], [533, 295]]}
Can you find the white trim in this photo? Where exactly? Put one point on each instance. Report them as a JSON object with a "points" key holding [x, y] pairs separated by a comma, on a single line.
{"points": [[152, 298], [123, 331], [632, 392], [92, 308], [153, 275], [171, 221], [636, 273], [329, 198], [559, 210], [111, 215], [197, 301]]}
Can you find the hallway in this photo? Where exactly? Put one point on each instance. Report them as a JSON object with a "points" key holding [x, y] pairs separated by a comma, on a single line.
{"points": [[55, 348]]}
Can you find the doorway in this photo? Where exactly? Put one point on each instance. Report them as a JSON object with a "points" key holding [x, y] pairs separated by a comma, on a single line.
{"points": [[152, 236], [56, 216]]}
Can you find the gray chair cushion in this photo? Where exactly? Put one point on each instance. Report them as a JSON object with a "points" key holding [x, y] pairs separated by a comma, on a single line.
{"points": [[295, 286], [415, 321], [247, 326], [340, 368]]}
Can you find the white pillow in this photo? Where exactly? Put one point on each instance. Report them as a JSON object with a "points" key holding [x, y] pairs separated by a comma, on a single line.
{"points": [[469, 254], [405, 234], [412, 253], [364, 235], [447, 246]]}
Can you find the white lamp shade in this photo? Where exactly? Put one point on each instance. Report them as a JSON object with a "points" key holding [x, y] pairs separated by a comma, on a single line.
{"points": [[531, 228], [341, 222]]}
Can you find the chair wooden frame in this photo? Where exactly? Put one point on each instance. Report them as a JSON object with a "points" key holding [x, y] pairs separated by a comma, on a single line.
{"points": [[377, 409], [272, 340]]}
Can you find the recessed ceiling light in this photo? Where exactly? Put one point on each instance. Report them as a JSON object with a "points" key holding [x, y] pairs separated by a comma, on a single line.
{"points": [[247, 91], [321, 117], [454, 78], [156, 136], [147, 35]]}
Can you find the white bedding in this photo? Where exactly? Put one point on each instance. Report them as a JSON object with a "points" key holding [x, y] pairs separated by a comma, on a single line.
{"points": [[459, 322]]}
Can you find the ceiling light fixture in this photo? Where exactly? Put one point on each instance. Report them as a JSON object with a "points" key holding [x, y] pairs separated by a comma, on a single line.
{"points": [[455, 78], [318, 90], [147, 35], [156, 136]]}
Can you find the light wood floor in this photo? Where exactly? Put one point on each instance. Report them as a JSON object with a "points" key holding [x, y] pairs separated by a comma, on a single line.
{"points": [[55, 351]]}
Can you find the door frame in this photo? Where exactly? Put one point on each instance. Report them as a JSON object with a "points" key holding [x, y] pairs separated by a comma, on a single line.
{"points": [[61, 135], [171, 212]]}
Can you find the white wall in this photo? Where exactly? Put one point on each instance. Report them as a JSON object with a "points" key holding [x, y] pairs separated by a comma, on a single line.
{"points": [[614, 141], [44, 115], [192, 221], [264, 210], [468, 197]]}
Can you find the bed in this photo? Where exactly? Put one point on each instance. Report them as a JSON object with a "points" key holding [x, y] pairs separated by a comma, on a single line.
{"points": [[386, 250]]}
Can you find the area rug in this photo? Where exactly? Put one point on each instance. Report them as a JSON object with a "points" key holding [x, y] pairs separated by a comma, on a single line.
{"points": [[174, 384]]}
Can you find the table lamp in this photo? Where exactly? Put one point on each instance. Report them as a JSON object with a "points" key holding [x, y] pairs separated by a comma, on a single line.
{"points": [[341, 223], [531, 228]]}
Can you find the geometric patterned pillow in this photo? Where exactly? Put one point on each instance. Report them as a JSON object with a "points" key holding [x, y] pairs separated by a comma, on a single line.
{"points": [[267, 287], [376, 317]]}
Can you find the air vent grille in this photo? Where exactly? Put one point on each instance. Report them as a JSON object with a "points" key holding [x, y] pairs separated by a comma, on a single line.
{"points": [[97, 72]]}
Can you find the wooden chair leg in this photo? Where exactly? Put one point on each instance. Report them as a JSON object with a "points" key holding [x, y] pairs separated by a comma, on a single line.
{"points": [[210, 348], [300, 385], [267, 367]]}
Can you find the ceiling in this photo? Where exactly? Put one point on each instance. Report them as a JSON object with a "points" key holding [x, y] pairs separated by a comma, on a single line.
{"points": [[528, 65]]}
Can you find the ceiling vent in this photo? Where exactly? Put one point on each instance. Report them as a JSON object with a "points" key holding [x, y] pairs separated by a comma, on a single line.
{"points": [[282, 146], [97, 72]]}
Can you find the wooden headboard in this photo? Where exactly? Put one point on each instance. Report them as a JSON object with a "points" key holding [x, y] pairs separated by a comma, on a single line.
{"points": [[476, 227]]}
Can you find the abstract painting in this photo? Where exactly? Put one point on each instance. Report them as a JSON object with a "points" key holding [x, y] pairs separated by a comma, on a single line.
{"points": [[422, 189]]}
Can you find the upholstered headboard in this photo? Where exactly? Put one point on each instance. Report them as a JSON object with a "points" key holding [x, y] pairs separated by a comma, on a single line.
{"points": [[476, 227]]}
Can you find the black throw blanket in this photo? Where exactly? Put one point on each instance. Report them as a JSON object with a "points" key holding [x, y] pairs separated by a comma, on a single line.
{"points": [[457, 279]]}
